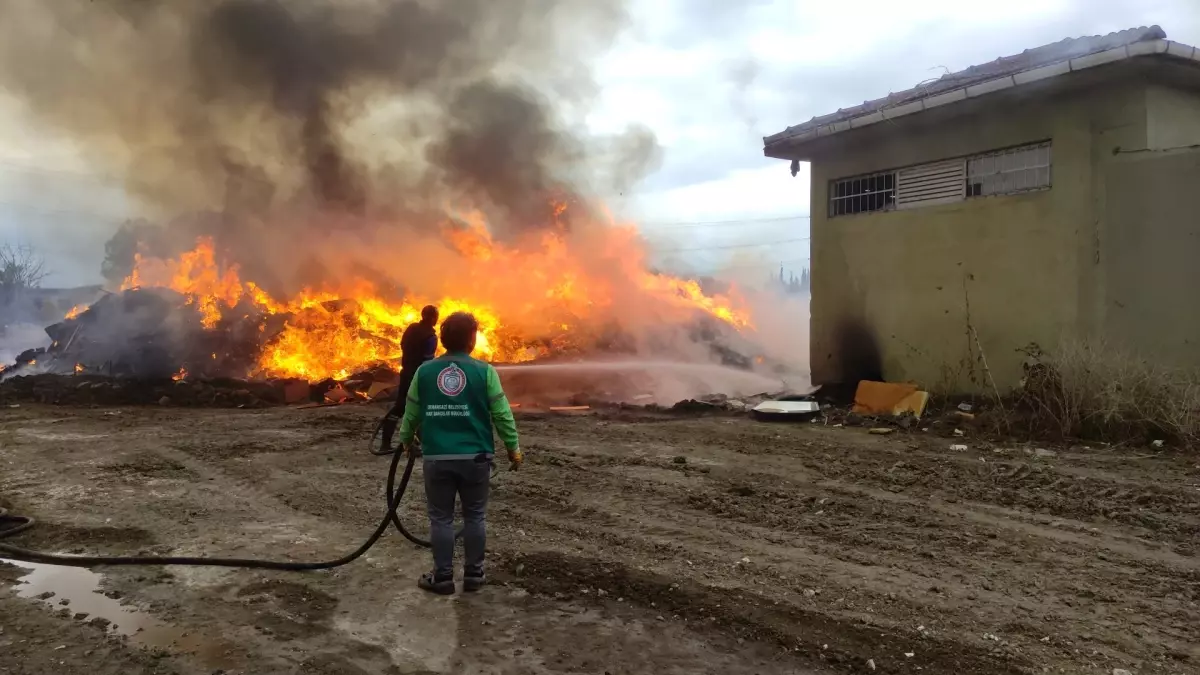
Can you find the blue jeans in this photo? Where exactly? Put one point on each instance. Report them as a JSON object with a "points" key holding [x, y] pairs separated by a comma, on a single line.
{"points": [[468, 480]]}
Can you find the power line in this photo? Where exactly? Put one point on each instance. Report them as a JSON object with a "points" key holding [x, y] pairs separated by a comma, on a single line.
{"points": [[771, 266], [684, 225], [729, 246]]}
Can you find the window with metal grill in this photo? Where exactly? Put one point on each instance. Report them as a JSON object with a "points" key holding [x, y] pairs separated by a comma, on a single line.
{"points": [[1001, 172], [1009, 171], [873, 192]]}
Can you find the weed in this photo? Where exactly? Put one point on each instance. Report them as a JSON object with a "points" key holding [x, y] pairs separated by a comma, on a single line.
{"points": [[1093, 390]]}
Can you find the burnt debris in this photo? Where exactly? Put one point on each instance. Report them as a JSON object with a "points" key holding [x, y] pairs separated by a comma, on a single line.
{"points": [[148, 334]]}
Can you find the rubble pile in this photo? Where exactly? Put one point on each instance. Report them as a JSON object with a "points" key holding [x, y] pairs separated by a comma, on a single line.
{"points": [[158, 346], [85, 390], [148, 334], [221, 392], [715, 403]]}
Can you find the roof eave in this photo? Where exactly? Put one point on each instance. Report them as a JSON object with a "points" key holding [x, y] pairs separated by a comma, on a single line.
{"points": [[795, 137]]}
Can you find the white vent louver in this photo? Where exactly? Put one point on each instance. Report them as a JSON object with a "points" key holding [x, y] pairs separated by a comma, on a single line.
{"points": [[929, 184]]}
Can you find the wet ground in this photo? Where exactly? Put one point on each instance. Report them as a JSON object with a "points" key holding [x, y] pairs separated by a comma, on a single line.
{"points": [[630, 543]]}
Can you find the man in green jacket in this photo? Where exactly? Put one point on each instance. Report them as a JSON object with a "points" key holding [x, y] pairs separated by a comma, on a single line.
{"points": [[456, 401]]}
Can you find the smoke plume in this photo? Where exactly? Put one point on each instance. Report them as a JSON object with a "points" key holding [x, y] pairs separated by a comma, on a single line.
{"points": [[347, 141], [351, 108]]}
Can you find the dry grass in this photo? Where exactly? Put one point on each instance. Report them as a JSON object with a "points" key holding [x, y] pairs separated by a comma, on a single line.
{"points": [[1091, 390]]}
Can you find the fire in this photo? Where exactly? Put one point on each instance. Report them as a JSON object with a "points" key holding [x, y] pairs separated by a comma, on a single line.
{"points": [[78, 368], [528, 299], [195, 274], [687, 292], [75, 311], [335, 341], [181, 375]]}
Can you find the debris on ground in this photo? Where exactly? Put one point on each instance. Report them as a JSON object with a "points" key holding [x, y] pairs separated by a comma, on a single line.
{"points": [[691, 405], [889, 398], [798, 411], [150, 333], [85, 390]]}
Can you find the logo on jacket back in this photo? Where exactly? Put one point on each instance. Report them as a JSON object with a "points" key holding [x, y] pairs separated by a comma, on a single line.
{"points": [[452, 380]]}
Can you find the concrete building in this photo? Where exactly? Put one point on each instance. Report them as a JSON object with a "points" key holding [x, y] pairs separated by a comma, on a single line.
{"points": [[1050, 195]]}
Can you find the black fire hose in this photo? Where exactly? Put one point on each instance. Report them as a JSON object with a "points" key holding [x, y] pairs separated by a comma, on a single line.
{"points": [[384, 448], [11, 524]]}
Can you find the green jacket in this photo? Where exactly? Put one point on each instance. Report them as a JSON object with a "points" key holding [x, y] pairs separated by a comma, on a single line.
{"points": [[456, 401]]}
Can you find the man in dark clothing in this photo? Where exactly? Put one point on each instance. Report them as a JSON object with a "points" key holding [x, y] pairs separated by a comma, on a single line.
{"points": [[417, 345], [456, 402]]}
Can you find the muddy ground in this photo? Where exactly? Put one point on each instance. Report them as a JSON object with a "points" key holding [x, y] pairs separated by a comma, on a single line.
{"points": [[630, 543]]}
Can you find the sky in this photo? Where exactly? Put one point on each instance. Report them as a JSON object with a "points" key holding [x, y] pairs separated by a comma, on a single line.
{"points": [[710, 78]]}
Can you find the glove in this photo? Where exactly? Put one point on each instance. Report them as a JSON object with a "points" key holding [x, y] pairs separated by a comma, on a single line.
{"points": [[515, 457]]}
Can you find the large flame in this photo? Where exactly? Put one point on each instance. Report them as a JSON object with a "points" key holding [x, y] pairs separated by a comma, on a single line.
{"points": [[334, 332]]}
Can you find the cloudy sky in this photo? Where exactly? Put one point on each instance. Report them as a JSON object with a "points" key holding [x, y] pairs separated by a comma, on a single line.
{"points": [[711, 78]]}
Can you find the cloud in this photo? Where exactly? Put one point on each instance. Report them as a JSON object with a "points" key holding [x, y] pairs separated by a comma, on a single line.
{"points": [[712, 78]]}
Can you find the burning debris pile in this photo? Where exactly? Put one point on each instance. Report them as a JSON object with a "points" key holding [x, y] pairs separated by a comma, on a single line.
{"points": [[325, 168], [192, 319], [144, 334]]}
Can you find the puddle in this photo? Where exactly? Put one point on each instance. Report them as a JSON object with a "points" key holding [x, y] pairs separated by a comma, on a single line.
{"points": [[80, 587]]}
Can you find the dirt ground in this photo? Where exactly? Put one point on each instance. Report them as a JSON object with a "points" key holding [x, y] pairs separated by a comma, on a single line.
{"points": [[629, 544]]}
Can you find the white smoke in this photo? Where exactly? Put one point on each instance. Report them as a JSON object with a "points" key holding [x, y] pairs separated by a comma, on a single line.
{"points": [[19, 337]]}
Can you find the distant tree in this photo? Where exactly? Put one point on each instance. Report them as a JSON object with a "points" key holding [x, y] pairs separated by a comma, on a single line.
{"points": [[120, 250], [21, 269]]}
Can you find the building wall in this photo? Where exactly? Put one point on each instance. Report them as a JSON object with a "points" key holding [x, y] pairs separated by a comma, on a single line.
{"points": [[935, 284], [1153, 232], [1173, 117]]}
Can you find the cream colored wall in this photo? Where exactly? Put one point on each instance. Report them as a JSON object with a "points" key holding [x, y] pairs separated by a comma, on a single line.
{"points": [[1153, 256], [1173, 117], [1026, 265]]}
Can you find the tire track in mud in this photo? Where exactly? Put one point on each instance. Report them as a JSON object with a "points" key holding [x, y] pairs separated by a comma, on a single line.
{"points": [[995, 561], [1160, 495], [857, 537], [636, 543], [810, 637]]}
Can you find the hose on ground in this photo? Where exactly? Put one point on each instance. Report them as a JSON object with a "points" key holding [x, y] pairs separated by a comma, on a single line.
{"points": [[13, 524], [384, 448]]}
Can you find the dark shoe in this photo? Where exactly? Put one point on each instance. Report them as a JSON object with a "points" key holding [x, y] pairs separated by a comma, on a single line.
{"points": [[473, 581], [435, 584], [390, 424]]}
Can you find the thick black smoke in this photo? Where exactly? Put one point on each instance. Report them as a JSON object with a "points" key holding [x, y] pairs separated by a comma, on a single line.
{"points": [[349, 107]]}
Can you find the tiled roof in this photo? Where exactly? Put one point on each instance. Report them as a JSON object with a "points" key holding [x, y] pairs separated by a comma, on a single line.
{"points": [[1063, 50]]}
